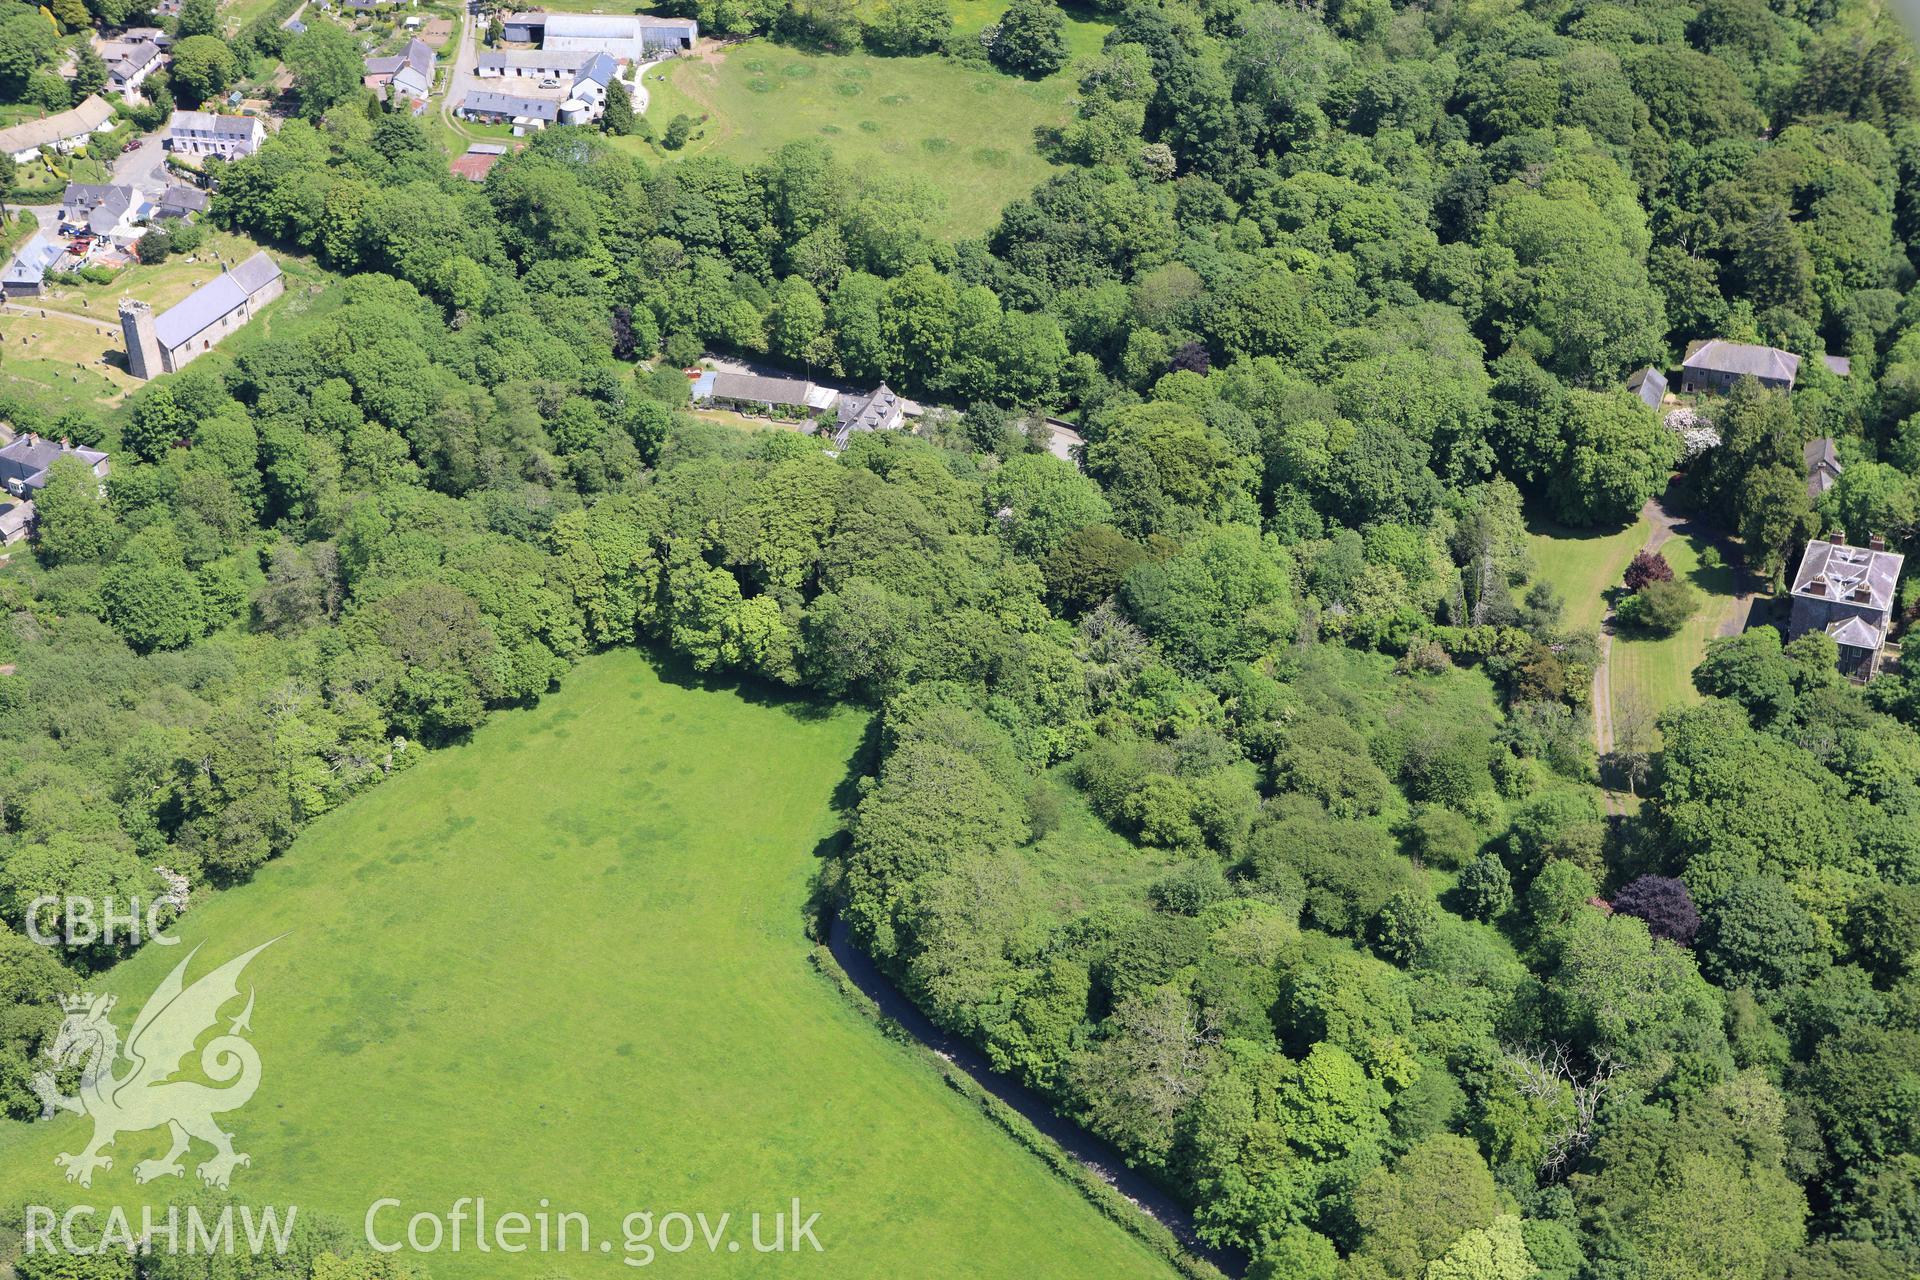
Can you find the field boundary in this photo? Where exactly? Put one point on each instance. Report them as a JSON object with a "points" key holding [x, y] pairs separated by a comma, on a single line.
{"points": [[1095, 1184]]}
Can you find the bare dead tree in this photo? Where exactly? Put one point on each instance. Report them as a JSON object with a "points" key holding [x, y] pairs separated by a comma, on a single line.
{"points": [[1551, 1074]]}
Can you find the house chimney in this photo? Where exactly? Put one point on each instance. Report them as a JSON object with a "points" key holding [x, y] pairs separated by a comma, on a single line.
{"points": [[1877, 542], [1838, 537]]}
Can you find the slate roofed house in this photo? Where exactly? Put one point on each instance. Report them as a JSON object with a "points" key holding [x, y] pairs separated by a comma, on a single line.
{"points": [[1715, 364], [753, 390], [98, 210], [591, 81], [409, 74], [129, 63], [524, 112], [63, 130], [27, 273], [1847, 592], [203, 133], [759, 391], [532, 64], [1822, 459], [182, 202], [879, 410], [168, 342], [1650, 385], [24, 462]]}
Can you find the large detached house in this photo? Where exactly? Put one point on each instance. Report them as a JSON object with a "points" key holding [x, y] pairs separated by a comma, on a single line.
{"points": [[1715, 364], [202, 133], [130, 60], [106, 212], [879, 410], [1847, 592]]}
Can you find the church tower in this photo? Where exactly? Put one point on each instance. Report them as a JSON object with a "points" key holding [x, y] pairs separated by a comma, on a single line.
{"points": [[143, 344]]}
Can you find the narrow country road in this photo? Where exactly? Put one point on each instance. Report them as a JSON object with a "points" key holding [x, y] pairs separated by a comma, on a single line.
{"points": [[461, 76], [1093, 1153]]}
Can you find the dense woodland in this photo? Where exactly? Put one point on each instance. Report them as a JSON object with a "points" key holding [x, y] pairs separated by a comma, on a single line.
{"points": [[1235, 792]]}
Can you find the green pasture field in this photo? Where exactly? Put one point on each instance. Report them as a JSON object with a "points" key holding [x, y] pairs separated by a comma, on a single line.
{"points": [[566, 962], [967, 129]]}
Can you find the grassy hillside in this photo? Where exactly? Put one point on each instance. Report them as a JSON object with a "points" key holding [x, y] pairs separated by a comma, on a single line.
{"points": [[565, 961]]}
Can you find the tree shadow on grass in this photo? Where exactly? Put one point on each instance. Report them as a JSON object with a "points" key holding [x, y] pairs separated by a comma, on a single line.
{"points": [[675, 670], [824, 898]]}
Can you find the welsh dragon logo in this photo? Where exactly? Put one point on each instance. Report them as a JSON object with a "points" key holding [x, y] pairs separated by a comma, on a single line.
{"points": [[145, 1096]]}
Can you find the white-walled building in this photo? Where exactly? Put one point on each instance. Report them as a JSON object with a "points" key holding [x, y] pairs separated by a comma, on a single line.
{"points": [[63, 130], [203, 133], [636, 37], [129, 62]]}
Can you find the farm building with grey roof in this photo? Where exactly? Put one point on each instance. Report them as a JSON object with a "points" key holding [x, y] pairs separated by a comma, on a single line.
{"points": [[1716, 364]]}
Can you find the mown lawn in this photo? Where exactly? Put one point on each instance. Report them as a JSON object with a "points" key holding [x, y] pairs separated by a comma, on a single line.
{"points": [[1583, 564], [566, 961], [238, 13], [1658, 671], [967, 129]]}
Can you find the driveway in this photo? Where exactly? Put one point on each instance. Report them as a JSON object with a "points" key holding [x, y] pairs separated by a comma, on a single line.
{"points": [[463, 75], [144, 167]]}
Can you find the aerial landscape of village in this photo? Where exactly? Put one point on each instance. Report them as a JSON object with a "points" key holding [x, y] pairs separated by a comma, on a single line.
{"points": [[959, 638]]}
